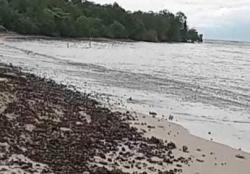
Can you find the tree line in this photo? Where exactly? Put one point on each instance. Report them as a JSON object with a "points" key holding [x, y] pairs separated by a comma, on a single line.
{"points": [[81, 18]]}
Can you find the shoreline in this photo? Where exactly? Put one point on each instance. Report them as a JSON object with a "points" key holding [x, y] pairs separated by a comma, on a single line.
{"points": [[137, 137], [210, 157], [12, 35]]}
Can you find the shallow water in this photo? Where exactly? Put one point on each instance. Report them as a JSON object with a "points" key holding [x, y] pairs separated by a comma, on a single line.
{"points": [[206, 87]]}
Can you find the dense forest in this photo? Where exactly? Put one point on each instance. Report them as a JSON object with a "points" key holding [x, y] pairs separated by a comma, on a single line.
{"points": [[81, 18]]}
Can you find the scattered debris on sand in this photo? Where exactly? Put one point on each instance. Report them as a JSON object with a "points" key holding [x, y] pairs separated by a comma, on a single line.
{"points": [[47, 128]]}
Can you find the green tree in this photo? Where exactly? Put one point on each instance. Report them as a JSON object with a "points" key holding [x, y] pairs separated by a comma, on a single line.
{"points": [[117, 30], [25, 25], [77, 18], [150, 35], [193, 35], [47, 23], [183, 28], [5, 13]]}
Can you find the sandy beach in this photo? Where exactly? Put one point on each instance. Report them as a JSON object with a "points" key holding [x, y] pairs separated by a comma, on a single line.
{"points": [[46, 128], [207, 156]]}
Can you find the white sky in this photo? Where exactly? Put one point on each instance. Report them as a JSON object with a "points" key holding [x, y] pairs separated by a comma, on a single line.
{"points": [[216, 19]]}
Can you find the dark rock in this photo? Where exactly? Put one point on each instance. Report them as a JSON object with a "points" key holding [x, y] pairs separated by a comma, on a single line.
{"points": [[178, 165], [199, 160], [185, 149], [171, 146], [240, 156], [153, 113], [101, 170], [171, 117]]}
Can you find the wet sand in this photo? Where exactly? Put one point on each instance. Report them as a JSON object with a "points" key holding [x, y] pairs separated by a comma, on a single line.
{"points": [[207, 156], [47, 128]]}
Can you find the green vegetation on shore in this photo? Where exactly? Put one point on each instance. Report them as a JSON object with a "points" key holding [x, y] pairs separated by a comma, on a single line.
{"points": [[80, 18]]}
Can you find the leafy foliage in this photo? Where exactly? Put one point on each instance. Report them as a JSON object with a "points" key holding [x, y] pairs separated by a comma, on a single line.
{"points": [[80, 18]]}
